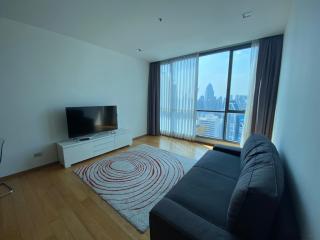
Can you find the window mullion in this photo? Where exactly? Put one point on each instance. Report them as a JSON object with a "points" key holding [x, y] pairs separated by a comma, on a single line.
{"points": [[227, 95]]}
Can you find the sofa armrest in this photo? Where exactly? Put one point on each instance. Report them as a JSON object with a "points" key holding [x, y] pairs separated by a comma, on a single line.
{"points": [[169, 220], [228, 149]]}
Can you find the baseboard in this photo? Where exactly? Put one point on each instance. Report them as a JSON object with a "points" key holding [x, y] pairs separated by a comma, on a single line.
{"points": [[187, 140], [141, 136], [135, 138], [47, 164], [28, 170]]}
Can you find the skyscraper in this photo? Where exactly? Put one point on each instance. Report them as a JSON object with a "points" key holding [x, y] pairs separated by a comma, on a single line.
{"points": [[211, 124], [209, 98]]}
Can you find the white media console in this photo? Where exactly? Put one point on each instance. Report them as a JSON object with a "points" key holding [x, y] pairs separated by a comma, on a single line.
{"points": [[74, 150]]}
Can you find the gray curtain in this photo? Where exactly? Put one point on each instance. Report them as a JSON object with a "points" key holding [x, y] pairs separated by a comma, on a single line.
{"points": [[267, 81], [154, 99]]}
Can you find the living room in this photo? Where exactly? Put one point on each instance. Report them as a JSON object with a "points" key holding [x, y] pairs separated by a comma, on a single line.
{"points": [[159, 119]]}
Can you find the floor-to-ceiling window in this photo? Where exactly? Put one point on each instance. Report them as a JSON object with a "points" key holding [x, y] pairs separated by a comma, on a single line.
{"points": [[223, 85], [205, 95]]}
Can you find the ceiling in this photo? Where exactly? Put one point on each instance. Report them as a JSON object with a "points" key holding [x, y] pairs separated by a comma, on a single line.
{"points": [[188, 26]]}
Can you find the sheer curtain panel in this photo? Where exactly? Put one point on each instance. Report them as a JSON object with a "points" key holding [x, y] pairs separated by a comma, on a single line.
{"points": [[248, 115], [178, 85]]}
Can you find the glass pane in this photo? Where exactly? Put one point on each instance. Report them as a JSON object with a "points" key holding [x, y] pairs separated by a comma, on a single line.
{"points": [[234, 129], [212, 81], [240, 79], [210, 124]]}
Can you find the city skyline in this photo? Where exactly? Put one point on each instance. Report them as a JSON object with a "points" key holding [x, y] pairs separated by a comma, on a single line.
{"points": [[209, 101], [211, 124], [213, 69]]}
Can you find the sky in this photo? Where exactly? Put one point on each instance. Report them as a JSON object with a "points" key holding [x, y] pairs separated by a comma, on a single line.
{"points": [[213, 69]]}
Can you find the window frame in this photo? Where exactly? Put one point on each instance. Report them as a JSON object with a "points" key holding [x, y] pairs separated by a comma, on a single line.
{"points": [[227, 107]]}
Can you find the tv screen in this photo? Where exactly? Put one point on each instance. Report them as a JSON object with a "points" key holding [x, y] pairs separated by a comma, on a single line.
{"points": [[88, 120]]}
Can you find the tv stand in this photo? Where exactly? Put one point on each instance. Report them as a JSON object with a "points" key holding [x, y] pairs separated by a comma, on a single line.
{"points": [[76, 150]]}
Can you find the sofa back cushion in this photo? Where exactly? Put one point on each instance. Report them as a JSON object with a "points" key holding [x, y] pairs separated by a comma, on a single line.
{"points": [[258, 191]]}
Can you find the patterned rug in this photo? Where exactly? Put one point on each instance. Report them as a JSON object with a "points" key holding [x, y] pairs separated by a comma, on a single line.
{"points": [[133, 182]]}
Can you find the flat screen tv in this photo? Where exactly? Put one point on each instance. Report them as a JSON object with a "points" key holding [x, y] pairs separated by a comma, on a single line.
{"points": [[89, 120]]}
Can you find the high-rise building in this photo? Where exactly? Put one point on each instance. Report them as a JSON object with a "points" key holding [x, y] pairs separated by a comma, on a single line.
{"points": [[211, 125], [209, 98]]}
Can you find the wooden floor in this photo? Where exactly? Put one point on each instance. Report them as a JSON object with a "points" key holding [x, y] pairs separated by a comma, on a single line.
{"points": [[52, 203]]}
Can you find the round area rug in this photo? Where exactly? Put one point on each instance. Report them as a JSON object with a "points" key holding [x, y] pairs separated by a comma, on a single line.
{"points": [[133, 182]]}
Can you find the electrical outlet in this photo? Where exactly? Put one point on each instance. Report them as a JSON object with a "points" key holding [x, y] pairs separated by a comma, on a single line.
{"points": [[38, 154]]}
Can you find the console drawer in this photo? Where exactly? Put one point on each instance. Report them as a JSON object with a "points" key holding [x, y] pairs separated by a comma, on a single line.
{"points": [[101, 141], [101, 150], [77, 153], [122, 140]]}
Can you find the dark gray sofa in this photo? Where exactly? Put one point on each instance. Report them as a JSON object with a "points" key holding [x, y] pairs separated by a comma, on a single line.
{"points": [[230, 193]]}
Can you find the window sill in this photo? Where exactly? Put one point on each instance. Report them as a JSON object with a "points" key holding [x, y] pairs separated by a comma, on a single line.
{"points": [[216, 141]]}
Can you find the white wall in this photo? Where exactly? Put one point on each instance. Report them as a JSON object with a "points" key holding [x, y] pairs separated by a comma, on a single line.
{"points": [[41, 72], [297, 121]]}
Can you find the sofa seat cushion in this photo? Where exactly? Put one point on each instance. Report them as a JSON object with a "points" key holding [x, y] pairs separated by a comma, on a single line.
{"points": [[221, 163], [170, 221], [205, 193], [258, 191]]}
